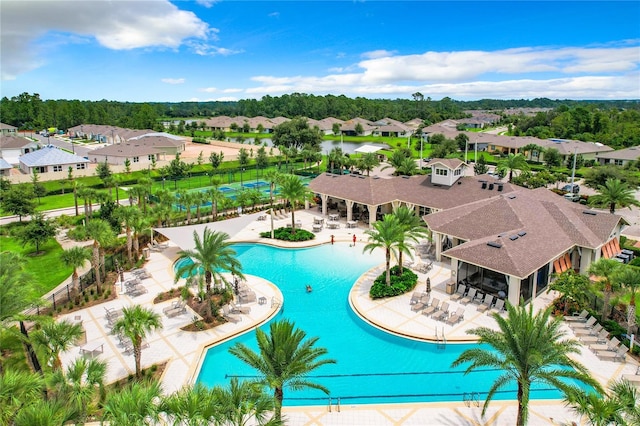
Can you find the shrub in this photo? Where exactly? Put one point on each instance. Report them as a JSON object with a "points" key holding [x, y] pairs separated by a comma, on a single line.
{"points": [[400, 284], [286, 235], [615, 329]]}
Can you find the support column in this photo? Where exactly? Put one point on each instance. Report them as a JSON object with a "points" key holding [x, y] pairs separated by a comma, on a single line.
{"points": [[437, 237], [349, 209], [514, 290], [306, 204], [372, 214], [395, 204], [324, 198], [585, 260]]}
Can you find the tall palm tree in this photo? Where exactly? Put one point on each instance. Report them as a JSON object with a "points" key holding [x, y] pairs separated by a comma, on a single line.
{"points": [[527, 348], [619, 406], [186, 200], [604, 269], [55, 337], [408, 167], [242, 402], [212, 255], [75, 257], [192, 405], [136, 323], [102, 234], [140, 226], [386, 234], [396, 159], [413, 229], [336, 159], [285, 358], [368, 162], [614, 193], [293, 190], [216, 196], [18, 389], [137, 404], [81, 385], [628, 277], [127, 215], [511, 163], [273, 177]]}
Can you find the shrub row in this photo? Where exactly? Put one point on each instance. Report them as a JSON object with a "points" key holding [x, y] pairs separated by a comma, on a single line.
{"points": [[400, 284], [286, 234]]}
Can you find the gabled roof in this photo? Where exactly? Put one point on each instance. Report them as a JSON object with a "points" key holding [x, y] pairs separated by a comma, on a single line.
{"points": [[4, 165], [49, 156], [15, 142], [526, 228], [631, 153], [449, 163], [4, 126], [126, 150]]}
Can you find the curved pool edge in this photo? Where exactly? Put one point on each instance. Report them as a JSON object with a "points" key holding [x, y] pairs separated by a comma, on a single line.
{"points": [[359, 295]]}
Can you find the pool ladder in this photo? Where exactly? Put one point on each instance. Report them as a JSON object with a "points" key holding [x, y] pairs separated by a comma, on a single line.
{"points": [[441, 341], [471, 398], [337, 405]]}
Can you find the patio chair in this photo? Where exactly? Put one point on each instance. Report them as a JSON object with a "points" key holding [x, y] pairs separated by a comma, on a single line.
{"points": [[457, 317], [588, 331], [432, 307], [92, 353], [423, 303], [235, 309], [601, 337], [247, 297], [499, 306], [113, 313], [619, 355], [226, 314], [175, 309], [479, 298], [612, 345], [486, 304], [415, 297], [469, 297], [588, 324], [459, 294], [577, 318], [633, 378], [441, 314], [136, 290]]}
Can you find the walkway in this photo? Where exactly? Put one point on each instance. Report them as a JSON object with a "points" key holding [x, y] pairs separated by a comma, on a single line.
{"points": [[183, 350]]}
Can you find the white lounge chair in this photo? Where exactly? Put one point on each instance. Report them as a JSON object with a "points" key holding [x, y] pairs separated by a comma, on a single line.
{"points": [[612, 345], [619, 355], [235, 309], [469, 297], [459, 294], [486, 304], [441, 314], [582, 317], [415, 297], [226, 314], [423, 303], [498, 306], [429, 310], [588, 331], [589, 324], [457, 317], [601, 337]]}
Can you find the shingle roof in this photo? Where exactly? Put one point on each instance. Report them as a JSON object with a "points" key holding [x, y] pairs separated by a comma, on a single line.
{"points": [[4, 126], [50, 155], [11, 141], [127, 150], [552, 225], [632, 153]]}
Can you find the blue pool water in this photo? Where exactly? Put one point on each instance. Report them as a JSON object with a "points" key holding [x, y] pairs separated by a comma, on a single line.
{"points": [[372, 366]]}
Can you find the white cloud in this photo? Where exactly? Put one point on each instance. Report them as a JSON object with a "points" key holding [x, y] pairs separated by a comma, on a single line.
{"points": [[375, 54], [117, 25], [274, 15], [208, 89], [206, 3], [205, 49], [173, 80]]}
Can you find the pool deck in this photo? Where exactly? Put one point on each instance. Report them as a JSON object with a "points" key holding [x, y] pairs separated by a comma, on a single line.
{"points": [[183, 350]]}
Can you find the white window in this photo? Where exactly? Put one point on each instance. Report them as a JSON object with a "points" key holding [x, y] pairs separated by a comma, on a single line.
{"points": [[80, 166], [618, 162], [57, 168], [442, 172], [136, 159], [150, 157], [457, 172]]}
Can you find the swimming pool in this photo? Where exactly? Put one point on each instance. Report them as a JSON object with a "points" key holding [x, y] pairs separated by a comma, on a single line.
{"points": [[372, 366]]}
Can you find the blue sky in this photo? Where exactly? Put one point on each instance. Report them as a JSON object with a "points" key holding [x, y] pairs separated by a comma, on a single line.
{"points": [[156, 50]]}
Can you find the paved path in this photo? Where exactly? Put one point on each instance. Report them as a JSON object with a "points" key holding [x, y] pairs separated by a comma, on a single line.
{"points": [[184, 350]]}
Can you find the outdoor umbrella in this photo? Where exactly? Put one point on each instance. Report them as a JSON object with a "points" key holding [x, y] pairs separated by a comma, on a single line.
{"points": [[428, 285]]}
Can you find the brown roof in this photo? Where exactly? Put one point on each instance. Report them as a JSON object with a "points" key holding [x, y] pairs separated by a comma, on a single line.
{"points": [[411, 189], [548, 225], [11, 141], [127, 150], [449, 163], [632, 153]]}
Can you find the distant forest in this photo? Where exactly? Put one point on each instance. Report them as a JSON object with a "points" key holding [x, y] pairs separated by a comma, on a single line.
{"points": [[616, 123]]}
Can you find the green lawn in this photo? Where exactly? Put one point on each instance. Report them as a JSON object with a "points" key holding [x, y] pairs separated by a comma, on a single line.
{"points": [[47, 269]]}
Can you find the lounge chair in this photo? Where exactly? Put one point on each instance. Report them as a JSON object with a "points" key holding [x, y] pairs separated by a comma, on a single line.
{"points": [[415, 297], [577, 318], [459, 294], [589, 324], [423, 303], [601, 337], [92, 353], [136, 291], [469, 297], [612, 345], [429, 310], [226, 314], [457, 317], [486, 304], [588, 331], [176, 308], [441, 314], [619, 355], [235, 309], [499, 306], [247, 297], [113, 313], [633, 378]]}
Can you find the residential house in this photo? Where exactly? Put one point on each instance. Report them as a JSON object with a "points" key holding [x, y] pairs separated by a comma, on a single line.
{"points": [[51, 159], [136, 153], [7, 129], [5, 168], [13, 146], [620, 157], [389, 127]]}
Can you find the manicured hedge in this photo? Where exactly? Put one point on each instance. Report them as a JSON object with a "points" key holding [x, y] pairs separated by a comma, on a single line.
{"points": [[286, 234], [400, 284]]}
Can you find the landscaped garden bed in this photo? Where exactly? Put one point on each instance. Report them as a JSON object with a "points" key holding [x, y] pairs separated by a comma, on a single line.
{"points": [[400, 284]]}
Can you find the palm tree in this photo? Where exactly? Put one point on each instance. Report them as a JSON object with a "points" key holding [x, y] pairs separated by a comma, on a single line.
{"points": [[127, 216], [140, 225], [573, 287], [43, 413], [530, 148], [136, 323], [336, 158], [18, 389], [75, 257], [216, 196], [614, 193], [293, 190], [212, 255], [56, 337], [511, 163], [604, 269], [137, 404], [368, 162], [193, 405], [408, 167], [273, 177], [284, 360], [413, 229], [386, 234], [102, 234], [397, 158], [244, 401], [186, 199], [628, 277], [528, 348], [619, 406], [81, 386]]}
